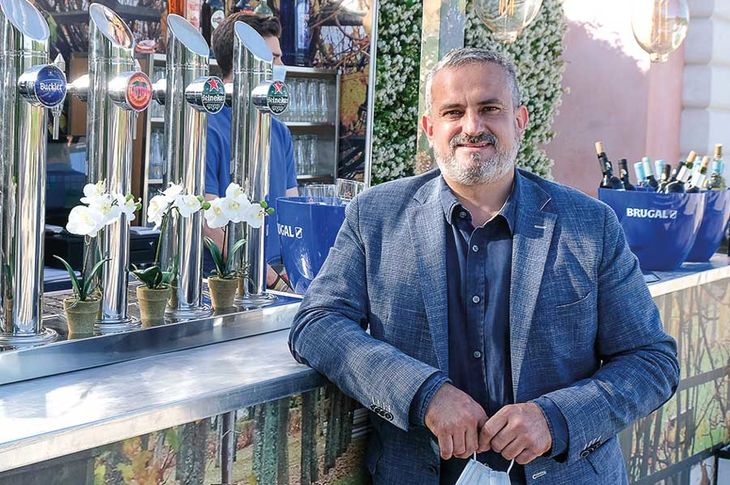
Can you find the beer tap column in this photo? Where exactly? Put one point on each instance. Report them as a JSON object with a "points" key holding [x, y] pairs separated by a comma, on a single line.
{"points": [[29, 86], [255, 98], [189, 95], [115, 90]]}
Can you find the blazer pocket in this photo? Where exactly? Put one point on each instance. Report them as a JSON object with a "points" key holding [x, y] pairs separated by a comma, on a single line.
{"points": [[575, 305]]}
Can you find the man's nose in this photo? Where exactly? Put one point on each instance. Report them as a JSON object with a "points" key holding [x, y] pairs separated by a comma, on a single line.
{"points": [[473, 124]]}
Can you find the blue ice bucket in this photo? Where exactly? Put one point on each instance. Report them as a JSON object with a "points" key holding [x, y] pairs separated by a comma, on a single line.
{"points": [[712, 229], [660, 228], [307, 230]]}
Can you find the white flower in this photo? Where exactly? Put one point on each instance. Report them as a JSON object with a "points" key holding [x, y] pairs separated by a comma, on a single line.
{"points": [[128, 206], [107, 206], [156, 209], [235, 208], [214, 215], [234, 191], [93, 192], [84, 221], [171, 192], [254, 214], [187, 205]]}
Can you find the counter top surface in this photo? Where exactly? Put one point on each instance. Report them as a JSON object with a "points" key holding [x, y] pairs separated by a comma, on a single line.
{"points": [[58, 415], [53, 416]]}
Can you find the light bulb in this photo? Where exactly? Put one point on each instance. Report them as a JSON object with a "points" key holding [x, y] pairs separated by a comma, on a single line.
{"points": [[507, 18], [660, 26]]}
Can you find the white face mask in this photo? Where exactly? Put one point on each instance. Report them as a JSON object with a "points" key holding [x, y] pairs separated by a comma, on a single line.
{"points": [[476, 473]]}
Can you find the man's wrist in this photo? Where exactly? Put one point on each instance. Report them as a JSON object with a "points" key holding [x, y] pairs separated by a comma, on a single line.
{"points": [[424, 396], [557, 425]]}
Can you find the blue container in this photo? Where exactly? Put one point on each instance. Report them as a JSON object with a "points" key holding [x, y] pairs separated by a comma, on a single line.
{"points": [[712, 230], [660, 228], [307, 230]]}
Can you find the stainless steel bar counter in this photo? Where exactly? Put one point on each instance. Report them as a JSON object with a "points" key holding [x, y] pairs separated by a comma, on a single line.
{"points": [[243, 409]]}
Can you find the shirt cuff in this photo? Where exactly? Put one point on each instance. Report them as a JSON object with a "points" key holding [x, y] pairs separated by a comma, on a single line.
{"points": [[557, 424], [422, 399]]}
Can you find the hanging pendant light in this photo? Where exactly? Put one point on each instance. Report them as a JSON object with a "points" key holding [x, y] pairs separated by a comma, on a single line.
{"points": [[660, 26], [507, 18]]}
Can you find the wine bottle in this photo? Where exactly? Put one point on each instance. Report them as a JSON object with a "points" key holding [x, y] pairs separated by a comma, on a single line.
{"points": [[698, 181], [685, 168], [211, 15], [659, 167], [666, 176], [609, 181], [676, 184], [640, 174], [624, 171], [717, 180], [651, 180]]}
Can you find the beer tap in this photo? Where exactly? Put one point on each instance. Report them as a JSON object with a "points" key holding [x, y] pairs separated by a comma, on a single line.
{"points": [[189, 94], [31, 85]]}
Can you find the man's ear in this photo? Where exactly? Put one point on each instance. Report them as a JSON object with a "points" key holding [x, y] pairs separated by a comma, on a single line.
{"points": [[427, 126], [521, 118]]}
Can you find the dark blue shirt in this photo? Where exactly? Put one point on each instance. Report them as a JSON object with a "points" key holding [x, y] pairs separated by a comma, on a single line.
{"points": [[479, 265], [282, 172]]}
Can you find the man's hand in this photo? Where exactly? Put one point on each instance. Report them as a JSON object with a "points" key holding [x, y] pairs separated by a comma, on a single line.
{"points": [[455, 419], [518, 432]]}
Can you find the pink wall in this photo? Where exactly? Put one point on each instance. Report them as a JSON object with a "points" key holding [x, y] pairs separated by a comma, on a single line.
{"points": [[614, 94]]}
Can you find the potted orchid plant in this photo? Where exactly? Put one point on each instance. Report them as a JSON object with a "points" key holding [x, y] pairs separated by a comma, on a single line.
{"points": [[154, 293], [99, 209], [234, 207]]}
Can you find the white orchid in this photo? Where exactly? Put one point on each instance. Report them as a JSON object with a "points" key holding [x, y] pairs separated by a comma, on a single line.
{"points": [[127, 205], [84, 221], [254, 215], [158, 206], [187, 205], [107, 205], [93, 191], [234, 191], [172, 191], [214, 216]]}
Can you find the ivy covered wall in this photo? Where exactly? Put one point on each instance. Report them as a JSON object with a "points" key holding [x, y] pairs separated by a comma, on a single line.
{"points": [[537, 54]]}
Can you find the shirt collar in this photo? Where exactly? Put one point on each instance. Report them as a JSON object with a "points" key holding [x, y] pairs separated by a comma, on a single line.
{"points": [[452, 207]]}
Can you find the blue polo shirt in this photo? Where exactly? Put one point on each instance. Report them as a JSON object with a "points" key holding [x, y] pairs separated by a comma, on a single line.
{"points": [[282, 171]]}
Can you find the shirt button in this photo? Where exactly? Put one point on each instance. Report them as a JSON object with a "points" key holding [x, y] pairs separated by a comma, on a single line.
{"points": [[476, 299], [475, 248], [477, 354], [462, 214]]}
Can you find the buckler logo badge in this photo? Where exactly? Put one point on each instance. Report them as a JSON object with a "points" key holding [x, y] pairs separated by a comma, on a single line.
{"points": [[50, 86], [139, 91]]}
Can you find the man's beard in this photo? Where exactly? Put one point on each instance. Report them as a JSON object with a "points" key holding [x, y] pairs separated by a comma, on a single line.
{"points": [[482, 170]]}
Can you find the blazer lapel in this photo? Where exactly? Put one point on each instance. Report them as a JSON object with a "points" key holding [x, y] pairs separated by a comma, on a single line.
{"points": [[530, 247], [428, 230]]}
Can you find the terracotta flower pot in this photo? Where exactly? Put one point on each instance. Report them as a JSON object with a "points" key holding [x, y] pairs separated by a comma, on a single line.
{"points": [[222, 291], [81, 316], [152, 303]]}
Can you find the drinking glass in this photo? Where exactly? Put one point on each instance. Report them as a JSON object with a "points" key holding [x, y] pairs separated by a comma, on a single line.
{"points": [[348, 189], [323, 101], [312, 100], [312, 154]]}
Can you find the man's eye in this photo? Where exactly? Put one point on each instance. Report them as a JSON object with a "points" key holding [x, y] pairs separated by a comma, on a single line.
{"points": [[452, 114]]}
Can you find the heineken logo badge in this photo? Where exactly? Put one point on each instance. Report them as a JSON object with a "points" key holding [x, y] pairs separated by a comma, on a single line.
{"points": [[214, 95], [50, 86], [278, 97], [139, 91]]}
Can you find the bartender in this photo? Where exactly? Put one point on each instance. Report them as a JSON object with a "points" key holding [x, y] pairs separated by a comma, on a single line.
{"points": [[282, 171]]}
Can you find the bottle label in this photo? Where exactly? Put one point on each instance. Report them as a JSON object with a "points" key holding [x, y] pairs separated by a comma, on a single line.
{"points": [[683, 174]]}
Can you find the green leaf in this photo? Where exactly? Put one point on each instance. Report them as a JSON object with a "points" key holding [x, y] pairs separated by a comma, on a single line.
{"points": [[215, 253], [236, 247], [86, 286], [74, 279], [152, 276]]}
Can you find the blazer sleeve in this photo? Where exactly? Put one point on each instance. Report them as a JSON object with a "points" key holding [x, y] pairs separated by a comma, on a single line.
{"points": [[329, 333], [639, 370]]}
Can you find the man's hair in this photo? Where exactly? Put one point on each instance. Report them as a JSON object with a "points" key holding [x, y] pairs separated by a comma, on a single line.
{"points": [[223, 36], [465, 56]]}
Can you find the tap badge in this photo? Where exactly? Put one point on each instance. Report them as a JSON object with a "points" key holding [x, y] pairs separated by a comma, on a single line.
{"points": [[50, 86], [139, 91], [278, 97], [214, 95]]}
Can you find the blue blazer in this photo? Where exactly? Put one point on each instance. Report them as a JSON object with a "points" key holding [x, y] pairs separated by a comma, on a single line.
{"points": [[584, 330]]}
